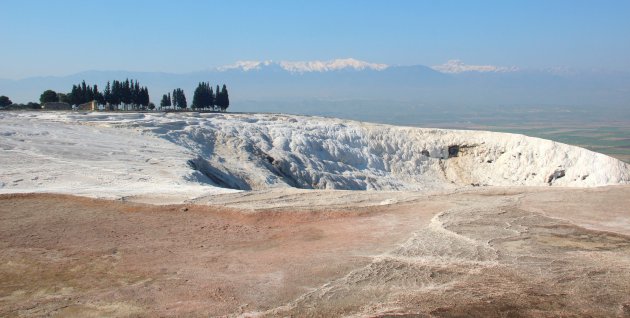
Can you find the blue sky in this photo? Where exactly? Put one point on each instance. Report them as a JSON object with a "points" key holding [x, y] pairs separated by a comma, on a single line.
{"points": [[62, 37]]}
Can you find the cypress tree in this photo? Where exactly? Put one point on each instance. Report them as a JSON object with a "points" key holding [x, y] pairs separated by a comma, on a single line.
{"points": [[210, 97], [164, 102], [179, 98], [98, 97], [117, 94], [137, 94], [72, 96], [89, 94], [197, 101], [217, 99], [126, 94], [225, 99], [145, 95], [107, 94], [181, 102], [84, 93]]}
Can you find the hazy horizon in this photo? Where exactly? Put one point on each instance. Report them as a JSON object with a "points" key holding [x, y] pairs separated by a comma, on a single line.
{"points": [[405, 60], [43, 38]]}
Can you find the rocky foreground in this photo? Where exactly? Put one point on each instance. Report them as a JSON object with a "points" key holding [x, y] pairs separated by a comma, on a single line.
{"points": [[530, 252]]}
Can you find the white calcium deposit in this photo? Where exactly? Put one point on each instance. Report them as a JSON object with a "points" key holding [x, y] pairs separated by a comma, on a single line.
{"points": [[194, 154]]}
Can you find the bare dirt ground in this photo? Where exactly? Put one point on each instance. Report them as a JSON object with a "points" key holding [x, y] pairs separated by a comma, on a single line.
{"points": [[530, 252]]}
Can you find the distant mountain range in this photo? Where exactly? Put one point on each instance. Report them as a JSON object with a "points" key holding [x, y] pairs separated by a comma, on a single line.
{"points": [[452, 84]]}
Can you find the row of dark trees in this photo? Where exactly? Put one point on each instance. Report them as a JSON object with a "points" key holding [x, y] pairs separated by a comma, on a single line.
{"points": [[128, 93], [132, 96], [203, 98], [222, 99], [7, 104], [179, 98], [166, 101], [81, 94]]}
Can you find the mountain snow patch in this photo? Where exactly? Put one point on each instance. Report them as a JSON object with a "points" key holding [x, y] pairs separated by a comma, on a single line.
{"points": [[136, 153], [307, 66]]}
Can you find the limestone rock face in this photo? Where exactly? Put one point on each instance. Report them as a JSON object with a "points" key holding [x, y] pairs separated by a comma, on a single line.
{"points": [[199, 152]]}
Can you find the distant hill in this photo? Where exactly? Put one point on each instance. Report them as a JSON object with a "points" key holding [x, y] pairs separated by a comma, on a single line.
{"points": [[453, 85]]}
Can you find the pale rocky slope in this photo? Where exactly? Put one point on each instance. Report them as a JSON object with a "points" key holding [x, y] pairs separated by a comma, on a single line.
{"points": [[108, 154]]}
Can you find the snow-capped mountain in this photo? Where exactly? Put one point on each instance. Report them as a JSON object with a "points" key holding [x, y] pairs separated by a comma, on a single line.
{"points": [[306, 66]]}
